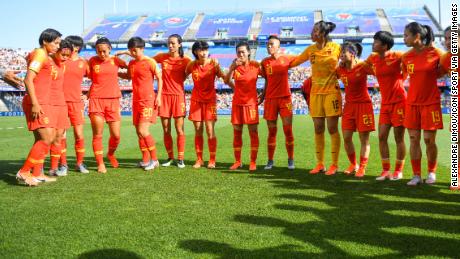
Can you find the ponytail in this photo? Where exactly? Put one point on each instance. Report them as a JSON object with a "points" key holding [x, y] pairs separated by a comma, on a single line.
{"points": [[425, 31], [326, 28], [429, 36]]}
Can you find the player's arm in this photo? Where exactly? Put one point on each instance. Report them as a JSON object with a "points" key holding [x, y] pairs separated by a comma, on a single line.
{"points": [[188, 69], [302, 58], [9, 76], [228, 77], [157, 73], [35, 66], [122, 52], [120, 62], [261, 97]]}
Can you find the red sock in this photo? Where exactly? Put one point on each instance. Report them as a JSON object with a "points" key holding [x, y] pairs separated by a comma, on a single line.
{"points": [[432, 166], [212, 145], [80, 150], [144, 150], [168, 141], [352, 158], [113, 144], [98, 149], [386, 164], [399, 165], [63, 151], [199, 147], [416, 166], [271, 142], [180, 146], [237, 144], [36, 156], [55, 155], [254, 135], [363, 161], [150, 143], [289, 138]]}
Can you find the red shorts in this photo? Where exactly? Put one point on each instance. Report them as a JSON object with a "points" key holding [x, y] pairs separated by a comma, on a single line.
{"points": [[44, 121], [76, 113], [172, 106], [200, 111], [108, 108], [248, 114], [358, 117], [144, 111], [60, 115], [392, 114], [273, 106], [426, 117]]}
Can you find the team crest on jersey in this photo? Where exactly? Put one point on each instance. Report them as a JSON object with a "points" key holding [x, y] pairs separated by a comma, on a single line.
{"points": [[46, 120], [195, 76], [237, 74]]}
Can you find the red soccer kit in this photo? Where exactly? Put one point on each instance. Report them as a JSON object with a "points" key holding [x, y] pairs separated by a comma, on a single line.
{"points": [[277, 92], [173, 76], [39, 62], [391, 83], [105, 92], [75, 70], [142, 74], [423, 109], [358, 113], [244, 104], [57, 100]]}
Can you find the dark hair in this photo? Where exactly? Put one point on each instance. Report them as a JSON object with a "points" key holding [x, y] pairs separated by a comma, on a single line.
{"points": [[76, 41], [65, 44], [136, 42], [48, 35], [425, 31], [103, 40], [274, 37], [385, 38], [199, 45], [353, 47], [243, 44], [449, 28], [179, 40], [325, 28]]}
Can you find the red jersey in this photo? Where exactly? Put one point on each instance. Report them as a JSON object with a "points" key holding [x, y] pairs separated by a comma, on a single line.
{"points": [[245, 78], [104, 76], [387, 70], [57, 85], [75, 69], [39, 62], [172, 73], [277, 75], [422, 69], [203, 80], [445, 63], [142, 74], [355, 82]]}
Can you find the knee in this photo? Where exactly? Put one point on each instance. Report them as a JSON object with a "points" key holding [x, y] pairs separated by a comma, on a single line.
{"points": [[332, 129], [429, 141], [383, 137], [319, 129]]}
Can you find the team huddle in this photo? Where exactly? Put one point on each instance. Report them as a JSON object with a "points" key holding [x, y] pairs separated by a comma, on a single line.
{"points": [[54, 101]]}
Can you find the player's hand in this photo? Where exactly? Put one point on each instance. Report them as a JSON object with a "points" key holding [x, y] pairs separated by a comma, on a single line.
{"points": [[83, 97], [158, 102], [238, 62], [13, 80], [36, 111]]}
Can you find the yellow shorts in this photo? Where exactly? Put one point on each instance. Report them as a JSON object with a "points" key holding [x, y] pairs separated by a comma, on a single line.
{"points": [[326, 105]]}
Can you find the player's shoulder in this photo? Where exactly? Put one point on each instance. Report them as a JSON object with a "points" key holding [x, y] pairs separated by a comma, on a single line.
{"points": [[254, 63], [408, 53], [187, 58], [38, 53]]}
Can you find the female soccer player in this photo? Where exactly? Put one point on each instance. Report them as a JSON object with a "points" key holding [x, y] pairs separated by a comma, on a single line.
{"points": [[277, 96], [204, 71], [75, 69], [423, 109], [173, 66], [104, 101], [387, 68], [244, 105], [358, 114], [36, 106], [325, 99], [446, 58], [142, 70]]}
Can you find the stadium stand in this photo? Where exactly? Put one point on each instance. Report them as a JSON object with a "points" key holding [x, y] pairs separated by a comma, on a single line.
{"points": [[354, 21], [225, 25], [158, 27], [399, 17], [287, 24], [111, 27]]}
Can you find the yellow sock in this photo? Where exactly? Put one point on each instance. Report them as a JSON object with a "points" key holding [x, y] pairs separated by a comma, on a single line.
{"points": [[335, 148], [319, 144]]}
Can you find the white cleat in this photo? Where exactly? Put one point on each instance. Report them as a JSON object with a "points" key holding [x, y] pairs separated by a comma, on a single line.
{"points": [[416, 180], [431, 179], [152, 165], [168, 163]]}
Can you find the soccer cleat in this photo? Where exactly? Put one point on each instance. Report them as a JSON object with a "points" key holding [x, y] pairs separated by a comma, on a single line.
{"points": [[82, 169], [252, 166], [199, 163], [27, 179], [180, 164], [63, 169], [143, 164], [113, 161], [397, 175], [236, 165], [291, 165], [152, 165], [351, 169], [211, 164], [53, 172], [431, 179], [383, 176], [168, 163], [45, 178], [415, 180], [361, 172], [332, 170], [269, 165], [319, 168]]}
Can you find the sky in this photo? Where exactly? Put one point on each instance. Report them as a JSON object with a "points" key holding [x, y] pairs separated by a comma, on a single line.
{"points": [[23, 20]]}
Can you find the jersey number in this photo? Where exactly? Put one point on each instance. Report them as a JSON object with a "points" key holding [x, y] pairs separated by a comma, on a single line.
{"points": [[147, 112], [436, 117], [335, 105]]}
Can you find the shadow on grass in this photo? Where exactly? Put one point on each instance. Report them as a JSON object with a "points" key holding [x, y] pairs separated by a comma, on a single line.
{"points": [[110, 254]]}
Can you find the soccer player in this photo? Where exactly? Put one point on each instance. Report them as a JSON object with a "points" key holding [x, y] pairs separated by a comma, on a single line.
{"points": [[75, 69], [204, 71], [358, 113], [9, 76], [173, 65], [142, 70], [325, 99], [244, 105], [104, 101], [36, 106], [277, 96], [423, 108], [387, 69], [58, 105]]}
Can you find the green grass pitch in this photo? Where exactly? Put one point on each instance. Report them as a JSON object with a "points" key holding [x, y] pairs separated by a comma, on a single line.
{"points": [[185, 213]]}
